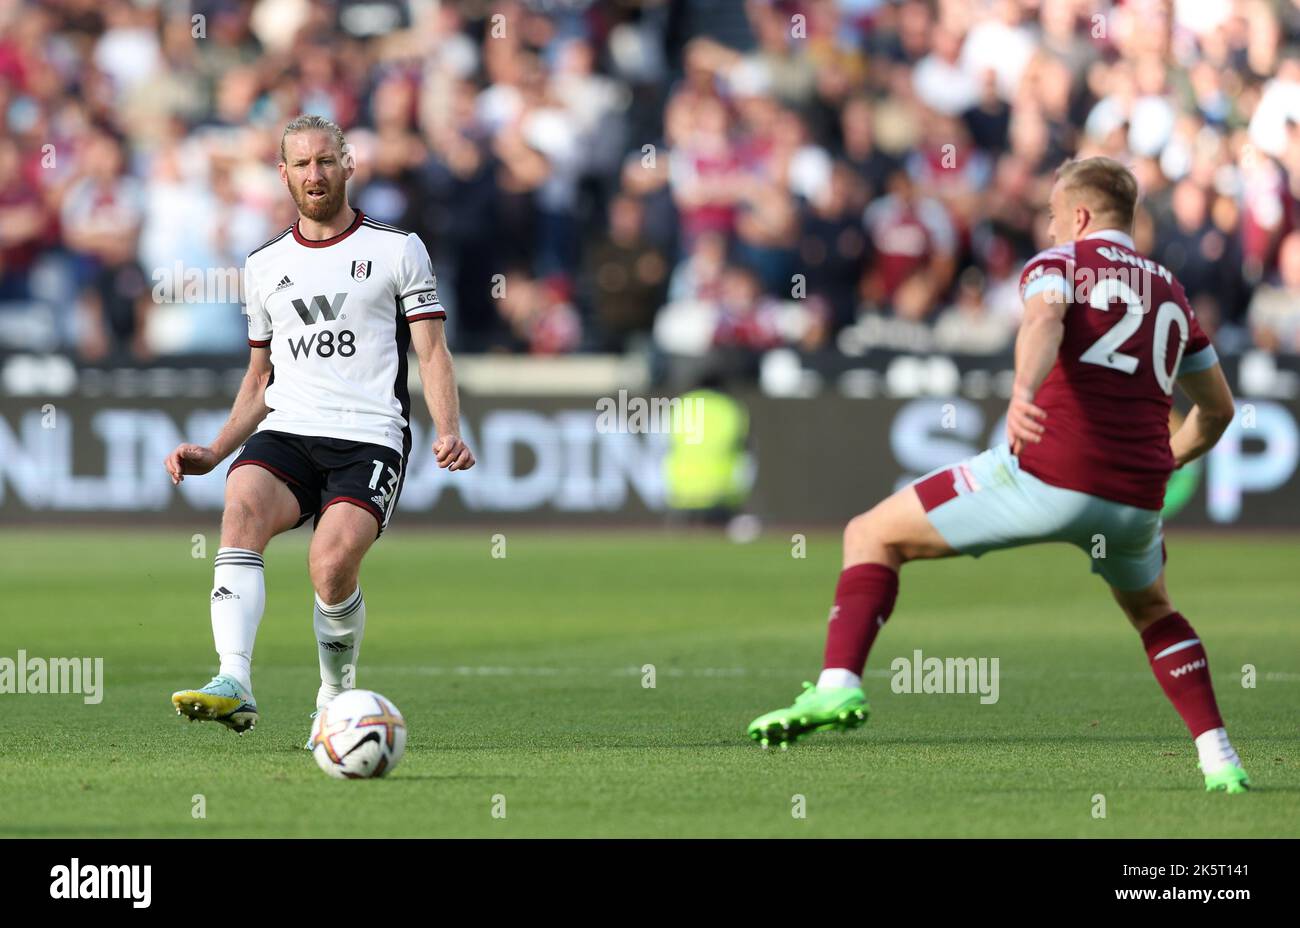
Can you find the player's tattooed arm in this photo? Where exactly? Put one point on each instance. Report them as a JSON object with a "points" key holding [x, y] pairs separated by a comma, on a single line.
{"points": [[1209, 417], [1041, 329], [248, 410], [438, 377]]}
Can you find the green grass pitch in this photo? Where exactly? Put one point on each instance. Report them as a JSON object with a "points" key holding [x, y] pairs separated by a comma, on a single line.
{"points": [[521, 677]]}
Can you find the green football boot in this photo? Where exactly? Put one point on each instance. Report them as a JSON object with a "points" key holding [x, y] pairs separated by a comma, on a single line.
{"points": [[841, 708], [222, 700], [1229, 779]]}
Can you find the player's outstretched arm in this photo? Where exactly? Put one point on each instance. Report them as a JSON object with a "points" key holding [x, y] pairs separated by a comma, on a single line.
{"points": [[438, 377], [1210, 416], [1039, 340], [248, 410]]}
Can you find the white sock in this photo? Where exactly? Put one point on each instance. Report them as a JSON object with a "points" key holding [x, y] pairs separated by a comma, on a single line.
{"points": [[238, 598], [835, 677], [1215, 750], [339, 630]]}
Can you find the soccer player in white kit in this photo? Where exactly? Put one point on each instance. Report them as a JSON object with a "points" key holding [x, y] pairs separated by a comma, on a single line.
{"points": [[334, 303]]}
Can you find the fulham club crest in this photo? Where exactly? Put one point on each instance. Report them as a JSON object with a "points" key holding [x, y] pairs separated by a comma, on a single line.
{"points": [[360, 270]]}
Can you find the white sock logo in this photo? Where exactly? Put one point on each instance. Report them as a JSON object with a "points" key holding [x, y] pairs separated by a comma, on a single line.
{"points": [[1188, 668]]}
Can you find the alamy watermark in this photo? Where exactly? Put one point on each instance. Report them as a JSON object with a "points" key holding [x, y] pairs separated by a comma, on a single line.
{"points": [[205, 284], [921, 674], [53, 675], [640, 415], [1129, 278], [76, 880]]}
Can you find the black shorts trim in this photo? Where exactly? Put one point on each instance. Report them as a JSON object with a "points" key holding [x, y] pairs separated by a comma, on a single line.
{"points": [[360, 504], [275, 470], [297, 489]]}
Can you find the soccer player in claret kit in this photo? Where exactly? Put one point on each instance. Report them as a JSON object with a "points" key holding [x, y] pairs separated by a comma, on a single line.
{"points": [[1106, 334], [334, 303]]}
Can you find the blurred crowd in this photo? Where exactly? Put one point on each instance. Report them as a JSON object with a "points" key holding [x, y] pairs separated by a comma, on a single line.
{"points": [[674, 176]]}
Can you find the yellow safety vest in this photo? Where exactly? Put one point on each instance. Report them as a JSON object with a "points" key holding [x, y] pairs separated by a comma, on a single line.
{"points": [[706, 469]]}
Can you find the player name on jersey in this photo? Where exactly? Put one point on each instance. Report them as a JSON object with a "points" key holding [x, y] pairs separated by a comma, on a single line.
{"points": [[1120, 256], [1108, 396]]}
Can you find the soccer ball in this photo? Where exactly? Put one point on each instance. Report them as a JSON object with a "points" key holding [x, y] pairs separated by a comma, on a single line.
{"points": [[358, 735]]}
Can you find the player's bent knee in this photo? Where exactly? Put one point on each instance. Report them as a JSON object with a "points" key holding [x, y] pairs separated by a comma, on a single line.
{"points": [[333, 575], [859, 531], [893, 532], [258, 506], [868, 538], [335, 586], [1142, 607], [243, 527], [1141, 617]]}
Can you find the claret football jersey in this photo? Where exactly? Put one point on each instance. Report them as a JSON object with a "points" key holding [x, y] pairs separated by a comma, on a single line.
{"points": [[1129, 334], [336, 316]]}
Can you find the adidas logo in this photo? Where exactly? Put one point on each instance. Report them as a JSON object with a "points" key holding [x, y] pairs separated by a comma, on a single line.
{"points": [[378, 500], [284, 282], [335, 646], [220, 594]]}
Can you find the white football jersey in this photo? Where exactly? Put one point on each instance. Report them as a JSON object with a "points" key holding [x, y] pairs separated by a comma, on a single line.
{"points": [[336, 314]]}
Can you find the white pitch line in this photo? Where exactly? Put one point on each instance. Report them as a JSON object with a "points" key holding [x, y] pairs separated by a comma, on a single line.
{"points": [[631, 671], [435, 670]]}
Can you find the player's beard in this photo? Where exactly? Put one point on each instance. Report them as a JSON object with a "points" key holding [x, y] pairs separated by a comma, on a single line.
{"points": [[321, 209]]}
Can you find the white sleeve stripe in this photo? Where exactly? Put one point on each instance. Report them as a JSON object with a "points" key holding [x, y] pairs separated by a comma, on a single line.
{"points": [[1046, 282], [1201, 360]]}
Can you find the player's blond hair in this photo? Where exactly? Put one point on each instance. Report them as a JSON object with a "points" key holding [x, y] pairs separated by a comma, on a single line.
{"points": [[311, 123], [1110, 187]]}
